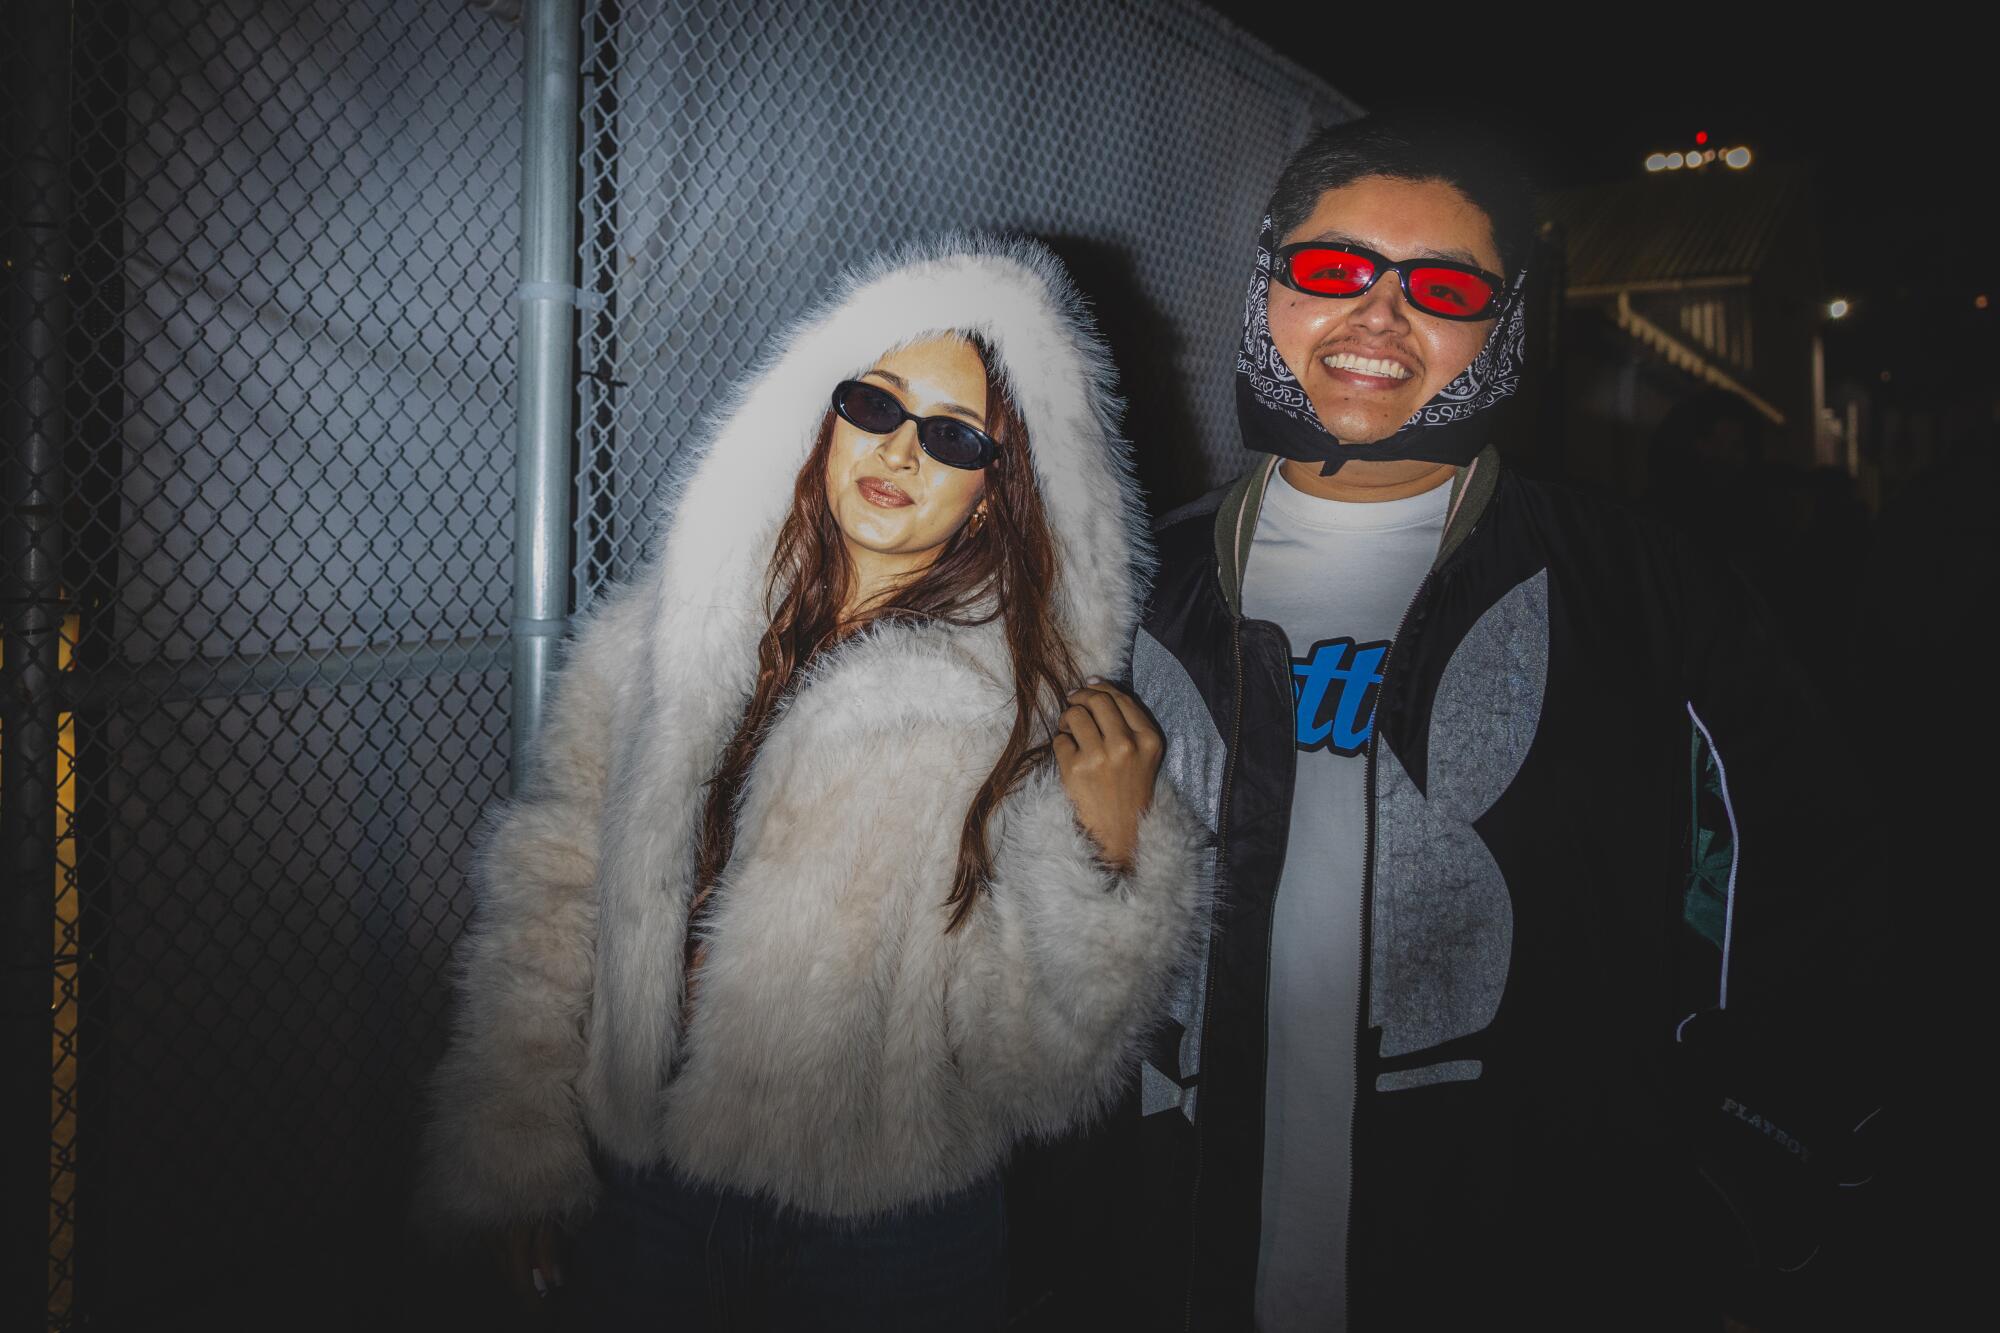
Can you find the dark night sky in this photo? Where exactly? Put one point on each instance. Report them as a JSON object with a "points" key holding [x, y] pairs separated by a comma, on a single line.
{"points": [[1896, 130]]}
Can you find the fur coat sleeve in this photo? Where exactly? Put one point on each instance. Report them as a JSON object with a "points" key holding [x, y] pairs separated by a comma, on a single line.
{"points": [[505, 1143], [1065, 961]]}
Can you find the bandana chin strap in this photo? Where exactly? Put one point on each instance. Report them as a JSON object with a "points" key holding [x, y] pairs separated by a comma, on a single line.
{"points": [[1278, 418]]}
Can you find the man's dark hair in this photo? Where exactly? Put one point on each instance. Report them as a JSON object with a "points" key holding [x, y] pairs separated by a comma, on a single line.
{"points": [[1412, 146]]}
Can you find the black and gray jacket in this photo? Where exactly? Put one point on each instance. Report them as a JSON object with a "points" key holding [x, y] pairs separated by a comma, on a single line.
{"points": [[1606, 934]]}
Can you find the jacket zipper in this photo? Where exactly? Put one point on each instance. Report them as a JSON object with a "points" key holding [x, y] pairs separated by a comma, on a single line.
{"points": [[1208, 981], [1367, 930]]}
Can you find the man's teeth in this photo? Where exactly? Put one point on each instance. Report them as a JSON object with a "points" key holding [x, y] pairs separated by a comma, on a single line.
{"points": [[1366, 365]]}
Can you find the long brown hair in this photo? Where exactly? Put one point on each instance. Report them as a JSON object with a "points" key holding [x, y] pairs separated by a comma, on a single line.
{"points": [[1010, 556]]}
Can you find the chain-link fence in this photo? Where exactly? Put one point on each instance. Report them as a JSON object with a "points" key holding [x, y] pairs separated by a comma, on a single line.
{"points": [[737, 157], [261, 398], [269, 376]]}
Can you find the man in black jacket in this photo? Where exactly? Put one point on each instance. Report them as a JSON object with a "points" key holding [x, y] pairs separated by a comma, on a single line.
{"points": [[1527, 993]]}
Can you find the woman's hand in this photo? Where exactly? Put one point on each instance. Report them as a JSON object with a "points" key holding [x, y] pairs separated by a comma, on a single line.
{"points": [[528, 1257], [1108, 751]]}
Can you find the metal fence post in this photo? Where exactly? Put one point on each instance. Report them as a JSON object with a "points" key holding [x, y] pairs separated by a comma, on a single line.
{"points": [[542, 469], [37, 261]]}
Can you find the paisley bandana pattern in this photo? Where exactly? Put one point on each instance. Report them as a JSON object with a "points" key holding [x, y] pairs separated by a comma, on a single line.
{"points": [[1277, 418]]}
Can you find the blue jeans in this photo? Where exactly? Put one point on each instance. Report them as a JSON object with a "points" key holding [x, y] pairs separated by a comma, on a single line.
{"points": [[664, 1253]]}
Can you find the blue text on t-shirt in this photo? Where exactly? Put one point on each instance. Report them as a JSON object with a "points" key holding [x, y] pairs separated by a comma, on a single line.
{"points": [[1337, 720]]}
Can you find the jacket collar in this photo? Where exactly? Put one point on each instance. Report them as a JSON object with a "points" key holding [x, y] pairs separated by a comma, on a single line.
{"points": [[1236, 518]]}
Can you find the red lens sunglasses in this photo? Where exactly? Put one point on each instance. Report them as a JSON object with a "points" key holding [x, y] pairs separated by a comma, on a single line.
{"points": [[1435, 286]]}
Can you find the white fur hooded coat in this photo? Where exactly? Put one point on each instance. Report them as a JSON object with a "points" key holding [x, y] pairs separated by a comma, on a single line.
{"points": [[846, 1055]]}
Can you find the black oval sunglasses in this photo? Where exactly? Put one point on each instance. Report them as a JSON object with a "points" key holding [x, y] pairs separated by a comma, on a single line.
{"points": [[950, 441]]}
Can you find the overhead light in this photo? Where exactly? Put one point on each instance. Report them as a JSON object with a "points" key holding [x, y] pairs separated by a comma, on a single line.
{"points": [[1694, 158], [1838, 310], [1979, 301]]}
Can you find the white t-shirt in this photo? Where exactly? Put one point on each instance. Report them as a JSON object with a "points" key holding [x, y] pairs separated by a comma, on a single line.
{"points": [[1336, 577]]}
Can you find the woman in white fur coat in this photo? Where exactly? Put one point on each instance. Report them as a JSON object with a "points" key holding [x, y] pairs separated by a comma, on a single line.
{"points": [[834, 878]]}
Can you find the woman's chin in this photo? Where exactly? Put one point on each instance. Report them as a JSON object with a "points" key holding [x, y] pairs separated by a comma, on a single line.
{"points": [[871, 543], [878, 539], [869, 527]]}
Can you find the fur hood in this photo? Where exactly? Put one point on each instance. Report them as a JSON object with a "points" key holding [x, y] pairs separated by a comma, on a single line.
{"points": [[847, 1054]]}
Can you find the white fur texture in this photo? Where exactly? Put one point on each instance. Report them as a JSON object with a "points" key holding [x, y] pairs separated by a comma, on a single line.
{"points": [[845, 1054]]}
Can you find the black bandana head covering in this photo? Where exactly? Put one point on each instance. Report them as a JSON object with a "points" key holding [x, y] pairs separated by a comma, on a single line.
{"points": [[1278, 418]]}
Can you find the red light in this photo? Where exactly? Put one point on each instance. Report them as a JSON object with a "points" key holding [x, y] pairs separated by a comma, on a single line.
{"points": [[1701, 136]]}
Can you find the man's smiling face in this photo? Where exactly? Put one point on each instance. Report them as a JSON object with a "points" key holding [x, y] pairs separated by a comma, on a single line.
{"points": [[1369, 362]]}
